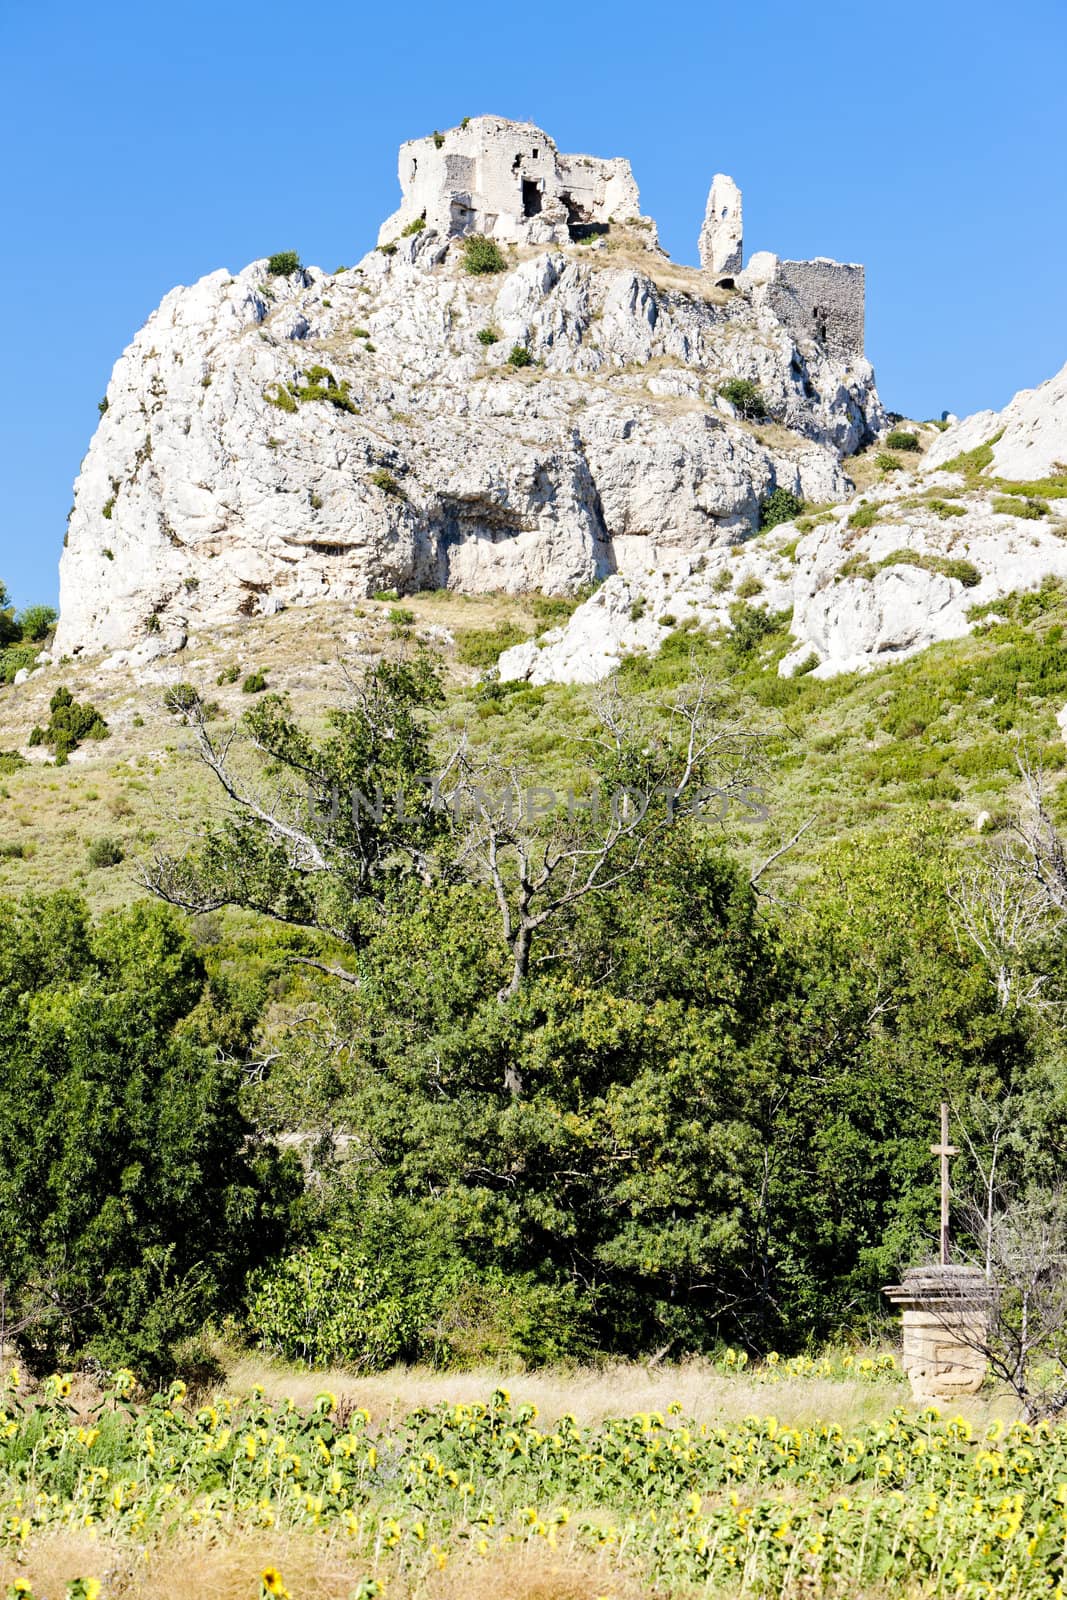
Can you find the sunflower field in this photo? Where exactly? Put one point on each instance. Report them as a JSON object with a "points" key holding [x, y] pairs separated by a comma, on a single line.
{"points": [[917, 1503]]}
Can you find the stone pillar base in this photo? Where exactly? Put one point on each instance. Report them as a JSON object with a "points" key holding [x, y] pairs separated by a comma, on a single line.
{"points": [[945, 1317]]}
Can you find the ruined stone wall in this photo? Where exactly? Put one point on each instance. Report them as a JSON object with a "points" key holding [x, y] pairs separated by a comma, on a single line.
{"points": [[508, 180], [821, 300]]}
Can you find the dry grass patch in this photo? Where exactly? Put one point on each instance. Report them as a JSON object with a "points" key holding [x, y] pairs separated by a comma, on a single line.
{"points": [[592, 1394]]}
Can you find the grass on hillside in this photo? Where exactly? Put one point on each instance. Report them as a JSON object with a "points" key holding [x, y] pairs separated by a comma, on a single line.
{"points": [[937, 734]]}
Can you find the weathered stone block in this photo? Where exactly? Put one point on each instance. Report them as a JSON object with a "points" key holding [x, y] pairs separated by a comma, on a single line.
{"points": [[945, 1325]]}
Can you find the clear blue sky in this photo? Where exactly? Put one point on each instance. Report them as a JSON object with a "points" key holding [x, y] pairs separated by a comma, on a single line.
{"points": [[145, 145]]}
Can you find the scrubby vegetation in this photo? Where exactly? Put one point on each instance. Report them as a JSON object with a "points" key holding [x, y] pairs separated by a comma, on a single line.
{"points": [[283, 264], [68, 725], [22, 635], [901, 439], [781, 505], [746, 398], [482, 256]]}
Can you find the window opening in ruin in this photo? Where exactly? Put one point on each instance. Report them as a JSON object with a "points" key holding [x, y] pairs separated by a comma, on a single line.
{"points": [[516, 164], [820, 323], [536, 154], [531, 198], [725, 283]]}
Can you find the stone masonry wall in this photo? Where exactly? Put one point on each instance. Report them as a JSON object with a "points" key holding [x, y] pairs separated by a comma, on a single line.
{"points": [[821, 300]]}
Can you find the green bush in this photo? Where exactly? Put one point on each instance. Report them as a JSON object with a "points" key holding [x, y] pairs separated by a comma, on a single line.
{"points": [[864, 516], [255, 683], [384, 480], [68, 725], [1006, 505], [416, 225], [520, 356], [393, 1293], [321, 385], [106, 852], [488, 336], [780, 506], [480, 647], [181, 698], [283, 264], [900, 439], [17, 658], [638, 608], [482, 255], [228, 674], [746, 398], [885, 462], [749, 587], [281, 398], [944, 509], [749, 627], [401, 617]]}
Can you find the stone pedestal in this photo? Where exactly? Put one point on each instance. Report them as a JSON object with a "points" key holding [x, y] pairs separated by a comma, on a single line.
{"points": [[945, 1315]]}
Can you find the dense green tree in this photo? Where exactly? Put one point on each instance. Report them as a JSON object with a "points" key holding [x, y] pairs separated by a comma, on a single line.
{"points": [[132, 1201]]}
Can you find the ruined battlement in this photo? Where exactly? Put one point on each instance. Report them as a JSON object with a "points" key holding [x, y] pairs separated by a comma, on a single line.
{"points": [[508, 181]]}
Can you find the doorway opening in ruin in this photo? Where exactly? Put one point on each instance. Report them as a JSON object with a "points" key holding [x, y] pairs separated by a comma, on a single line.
{"points": [[531, 198], [580, 224], [820, 318]]}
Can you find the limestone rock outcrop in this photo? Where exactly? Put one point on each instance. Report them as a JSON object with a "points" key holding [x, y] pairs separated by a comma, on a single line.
{"points": [[721, 242], [404, 424], [1029, 436], [861, 590]]}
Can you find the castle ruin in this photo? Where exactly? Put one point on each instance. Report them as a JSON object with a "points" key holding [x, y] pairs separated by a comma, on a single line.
{"points": [[508, 180]]}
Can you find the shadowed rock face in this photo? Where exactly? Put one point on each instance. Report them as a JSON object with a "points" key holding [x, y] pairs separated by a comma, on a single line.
{"points": [[272, 441]]}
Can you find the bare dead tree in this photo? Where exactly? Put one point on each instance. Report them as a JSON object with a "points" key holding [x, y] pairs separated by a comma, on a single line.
{"points": [[540, 866], [1005, 904], [1024, 1337], [997, 908]]}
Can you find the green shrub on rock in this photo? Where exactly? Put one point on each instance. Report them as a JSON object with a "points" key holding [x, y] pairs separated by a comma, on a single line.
{"points": [[781, 505], [746, 398], [283, 264], [482, 255]]}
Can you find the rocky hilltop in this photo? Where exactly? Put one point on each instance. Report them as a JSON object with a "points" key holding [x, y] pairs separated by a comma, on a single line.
{"points": [[555, 418]]}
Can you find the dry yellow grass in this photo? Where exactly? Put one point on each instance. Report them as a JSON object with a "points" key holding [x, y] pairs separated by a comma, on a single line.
{"points": [[313, 1566], [593, 1393]]}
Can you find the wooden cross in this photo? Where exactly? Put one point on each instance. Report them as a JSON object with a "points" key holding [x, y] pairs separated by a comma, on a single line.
{"points": [[944, 1150]]}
